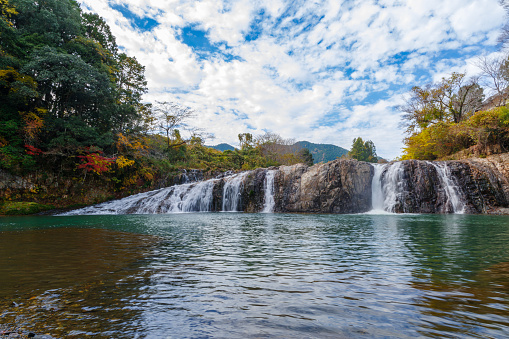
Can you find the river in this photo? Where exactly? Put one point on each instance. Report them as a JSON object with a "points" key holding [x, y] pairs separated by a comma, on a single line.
{"points": [[239, 275]]}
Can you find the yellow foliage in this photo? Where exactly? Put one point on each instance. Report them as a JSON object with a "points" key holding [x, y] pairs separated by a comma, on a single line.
{"points": [[123, 162], [137, 147], [33, 123], [148, 175], [10, 76], [7, 10]]}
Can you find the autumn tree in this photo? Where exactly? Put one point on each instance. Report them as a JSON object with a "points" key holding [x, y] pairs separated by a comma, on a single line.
{"points": [[277, 149], [453, 99]]}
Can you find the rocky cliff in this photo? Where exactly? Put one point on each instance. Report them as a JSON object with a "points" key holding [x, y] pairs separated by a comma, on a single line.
{"points": [[339, 186], [443, 187]]}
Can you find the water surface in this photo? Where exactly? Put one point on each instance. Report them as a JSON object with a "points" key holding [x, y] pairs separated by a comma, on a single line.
{"points": [[217, 275]]}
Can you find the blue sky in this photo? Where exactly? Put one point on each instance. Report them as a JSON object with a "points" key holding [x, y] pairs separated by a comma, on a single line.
{"points": [[321, 71]]}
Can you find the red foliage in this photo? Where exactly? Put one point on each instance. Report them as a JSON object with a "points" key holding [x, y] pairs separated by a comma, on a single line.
{"points": [[94, 162], [31, 150]]}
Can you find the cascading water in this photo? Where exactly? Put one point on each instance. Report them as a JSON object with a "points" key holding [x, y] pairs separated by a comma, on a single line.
{"points": [[452, 190], [268, 185], [232, 192], [386, 187], [392, 186], [377, 194], [195, 197]]}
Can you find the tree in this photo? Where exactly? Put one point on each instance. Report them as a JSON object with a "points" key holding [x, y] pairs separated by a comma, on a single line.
{"points": [[306, 156], [98, 30], [49, 22], [495, 72], [503, 38], [363, 151], [71, 87], [171, 117], [245, 140], [451, 100], [277, 150]]}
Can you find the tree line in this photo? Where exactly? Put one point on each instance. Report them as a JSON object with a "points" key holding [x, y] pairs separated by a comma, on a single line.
{"points": [[453, 115], [72, 118]]}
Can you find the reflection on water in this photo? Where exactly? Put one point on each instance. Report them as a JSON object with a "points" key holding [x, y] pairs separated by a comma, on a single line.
{"points": [[256, 275]]}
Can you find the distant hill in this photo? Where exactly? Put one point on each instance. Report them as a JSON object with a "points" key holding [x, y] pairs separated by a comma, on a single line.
{"points": [[320, 152], [323, 152], [223, 147]]}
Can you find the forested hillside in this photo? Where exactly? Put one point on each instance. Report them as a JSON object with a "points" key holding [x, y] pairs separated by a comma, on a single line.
{"points": [[323, 152], [73, 125], [453, 119]]}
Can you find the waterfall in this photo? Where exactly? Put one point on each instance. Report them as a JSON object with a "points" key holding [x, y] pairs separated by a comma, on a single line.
{"points": [[452, 190], [194, 197], [268, 186], [377, 194], [393, 185], [232, 192], [386, 187]]}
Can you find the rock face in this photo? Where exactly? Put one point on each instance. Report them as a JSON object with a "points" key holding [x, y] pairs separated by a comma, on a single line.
{"points": [[339, 186], [442, 187]]}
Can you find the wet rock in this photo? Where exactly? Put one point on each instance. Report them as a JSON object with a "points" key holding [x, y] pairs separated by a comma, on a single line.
{"points": [[433, 187], [339, 186]]}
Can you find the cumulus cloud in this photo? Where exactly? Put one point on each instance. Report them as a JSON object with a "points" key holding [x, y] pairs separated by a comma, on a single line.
{"points": [[324, 71]]}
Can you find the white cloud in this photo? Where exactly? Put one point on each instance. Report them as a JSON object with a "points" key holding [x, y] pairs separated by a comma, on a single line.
{"points": [[311, 65]]}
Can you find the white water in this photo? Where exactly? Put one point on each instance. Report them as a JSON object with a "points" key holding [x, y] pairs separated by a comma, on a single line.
{"points": [[377, 194], [191, 197], [387, 191], [268, 186], [195, 197], [393, 186], [452, 190], [232, 192], [386, 187]]}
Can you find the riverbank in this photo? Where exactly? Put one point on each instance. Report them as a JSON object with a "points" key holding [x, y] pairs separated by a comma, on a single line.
{"points": [[23, 208], [11, 332]]}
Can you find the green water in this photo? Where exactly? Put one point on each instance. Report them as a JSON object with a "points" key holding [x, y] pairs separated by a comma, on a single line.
{"points": [[233, 275]]}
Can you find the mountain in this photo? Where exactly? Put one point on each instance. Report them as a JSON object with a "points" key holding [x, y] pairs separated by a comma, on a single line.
{"points": [[320, 152], [323, 152], [223, 147]]}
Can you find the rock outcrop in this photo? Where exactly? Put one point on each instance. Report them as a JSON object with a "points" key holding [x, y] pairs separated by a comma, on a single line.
{"points": [[444, 187], [339, 186]]}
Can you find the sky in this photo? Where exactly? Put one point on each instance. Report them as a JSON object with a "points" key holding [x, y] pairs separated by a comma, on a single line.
{"points": [[321, 71]]}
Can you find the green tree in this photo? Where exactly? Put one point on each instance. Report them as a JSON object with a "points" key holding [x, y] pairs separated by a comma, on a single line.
{"points": [[306, 156], [363, 151], [98, 30]]}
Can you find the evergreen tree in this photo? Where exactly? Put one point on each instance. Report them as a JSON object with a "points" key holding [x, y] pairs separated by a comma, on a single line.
{"points": [[363, 151]]}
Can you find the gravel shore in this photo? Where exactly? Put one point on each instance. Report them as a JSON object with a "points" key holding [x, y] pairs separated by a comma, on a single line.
{"points": [[9, 331]]}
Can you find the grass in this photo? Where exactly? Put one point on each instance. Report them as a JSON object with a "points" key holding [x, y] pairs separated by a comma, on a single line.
{"points": [[22, 208]]}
